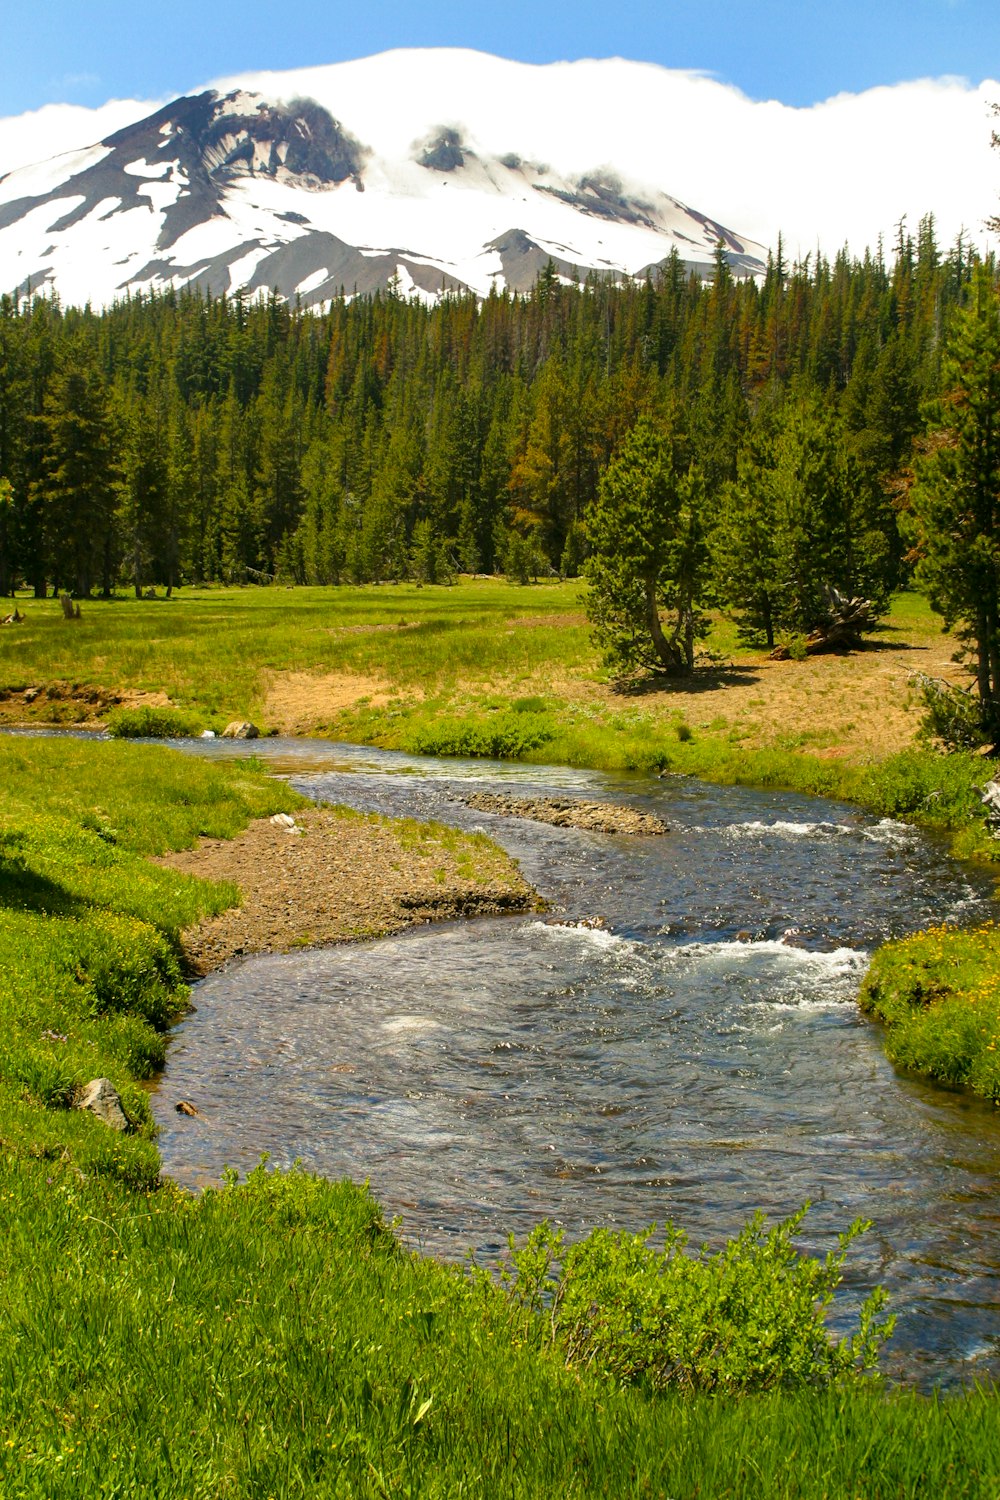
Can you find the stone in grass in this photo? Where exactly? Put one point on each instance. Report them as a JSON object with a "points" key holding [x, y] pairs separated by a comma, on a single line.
{"points": [[241, 729], [101, 1098]]}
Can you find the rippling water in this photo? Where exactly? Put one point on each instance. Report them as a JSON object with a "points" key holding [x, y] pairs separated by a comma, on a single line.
{"points": [[699, 1058]]}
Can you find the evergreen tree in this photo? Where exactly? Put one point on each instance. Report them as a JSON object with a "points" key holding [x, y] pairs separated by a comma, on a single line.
{"points": [[78, 484], [648, 555], [955, 504], [6, 537]]}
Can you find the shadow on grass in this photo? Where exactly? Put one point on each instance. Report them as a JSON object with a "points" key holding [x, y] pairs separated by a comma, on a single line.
{"points": [[22, 889], [873, 645], [701, 680]]}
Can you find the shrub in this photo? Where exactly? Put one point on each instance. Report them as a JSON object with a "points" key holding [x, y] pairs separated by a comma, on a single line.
{"points": [[153, 723], [952, 715], [749, 1318]]}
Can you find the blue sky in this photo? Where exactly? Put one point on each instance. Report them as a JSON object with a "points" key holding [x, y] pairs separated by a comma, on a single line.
{"points": [[792, 50]]}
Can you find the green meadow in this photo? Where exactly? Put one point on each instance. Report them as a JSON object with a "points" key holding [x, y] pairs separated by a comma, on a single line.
{"points": [[272, 1338]]}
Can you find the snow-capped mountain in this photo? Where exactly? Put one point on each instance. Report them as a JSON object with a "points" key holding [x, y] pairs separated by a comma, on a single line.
{"points": [[347, 179]]}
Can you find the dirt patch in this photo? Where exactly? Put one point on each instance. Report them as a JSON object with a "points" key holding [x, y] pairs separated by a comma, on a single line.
{"points": [[338, 877], [533, 622], [297, 702], [77, 703], [566, 812], [860, 704], [380, 627]]}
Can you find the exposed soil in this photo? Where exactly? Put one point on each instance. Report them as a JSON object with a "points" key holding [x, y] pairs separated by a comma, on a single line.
{"points": [[535, 622], [595, 817], [297, 702], [339, 877], [859, 704], [69, 703]]}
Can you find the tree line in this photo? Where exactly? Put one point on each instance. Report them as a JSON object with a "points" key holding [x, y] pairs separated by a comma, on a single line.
{"points": [[178, 438]]}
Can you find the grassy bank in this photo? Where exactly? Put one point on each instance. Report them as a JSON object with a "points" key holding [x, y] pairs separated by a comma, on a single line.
{"points": [[938, 996], [271, 1338]]}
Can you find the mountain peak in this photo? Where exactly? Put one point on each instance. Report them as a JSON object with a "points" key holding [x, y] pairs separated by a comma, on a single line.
{"points": [[253, 187]]}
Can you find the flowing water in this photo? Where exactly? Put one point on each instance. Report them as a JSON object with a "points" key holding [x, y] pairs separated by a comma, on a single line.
{"points": [[697, 1058]]}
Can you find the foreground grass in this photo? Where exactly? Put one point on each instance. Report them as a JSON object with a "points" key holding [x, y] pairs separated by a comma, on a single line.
{"points": [[271, 1338]]}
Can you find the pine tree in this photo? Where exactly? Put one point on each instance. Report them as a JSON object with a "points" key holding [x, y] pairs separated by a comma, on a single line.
{"points": [[77, 487], [648, 555], [955, 504]]}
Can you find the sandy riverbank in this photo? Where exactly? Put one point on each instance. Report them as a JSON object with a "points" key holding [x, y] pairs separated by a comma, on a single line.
{"points": [[339, 877]]}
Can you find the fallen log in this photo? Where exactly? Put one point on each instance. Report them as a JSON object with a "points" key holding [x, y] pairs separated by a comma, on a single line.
{"points": [[846, 620]]}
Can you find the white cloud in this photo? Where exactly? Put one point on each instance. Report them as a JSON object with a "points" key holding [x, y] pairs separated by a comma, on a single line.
{"points": [[55, 128], [845, 170]]}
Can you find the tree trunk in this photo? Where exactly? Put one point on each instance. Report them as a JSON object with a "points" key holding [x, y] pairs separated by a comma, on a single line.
{"points": [[665, 650], [768, 621]]}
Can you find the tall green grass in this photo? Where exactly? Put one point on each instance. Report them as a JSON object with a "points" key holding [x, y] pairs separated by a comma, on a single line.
{"points": [[271, 1339], [213, 650]]}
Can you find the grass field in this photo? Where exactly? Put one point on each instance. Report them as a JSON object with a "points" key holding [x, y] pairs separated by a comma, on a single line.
{"points": [[384, 660], [271, 1338]]}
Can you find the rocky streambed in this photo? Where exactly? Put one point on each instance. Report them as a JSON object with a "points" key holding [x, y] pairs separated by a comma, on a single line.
{"points": [[570, 812]]}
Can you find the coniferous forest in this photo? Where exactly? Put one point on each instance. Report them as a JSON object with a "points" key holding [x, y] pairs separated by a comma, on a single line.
{"points": [[180, 439]]}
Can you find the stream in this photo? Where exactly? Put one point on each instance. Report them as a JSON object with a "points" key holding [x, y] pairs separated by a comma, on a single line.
{"points": [[488, 1074]]}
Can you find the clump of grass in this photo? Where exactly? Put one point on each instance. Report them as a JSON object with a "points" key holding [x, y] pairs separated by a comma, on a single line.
{"points": [[511, 735], [153, 723], [938, 995]]}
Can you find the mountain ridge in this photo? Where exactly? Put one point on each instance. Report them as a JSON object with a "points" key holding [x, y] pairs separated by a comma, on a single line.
{"points": [[235, 188]]}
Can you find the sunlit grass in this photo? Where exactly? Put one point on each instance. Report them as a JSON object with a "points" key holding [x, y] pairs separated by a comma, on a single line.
{"points": [[938, 995]]}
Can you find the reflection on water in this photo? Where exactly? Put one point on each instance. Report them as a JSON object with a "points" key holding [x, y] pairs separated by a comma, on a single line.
{"points": [[700, 1058]]}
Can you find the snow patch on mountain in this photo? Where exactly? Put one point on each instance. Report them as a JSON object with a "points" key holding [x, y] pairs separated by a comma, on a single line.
{"points": [[430, 171]]}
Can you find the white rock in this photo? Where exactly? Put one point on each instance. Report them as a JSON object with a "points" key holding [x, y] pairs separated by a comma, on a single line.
{"points": [[101, 1098]]}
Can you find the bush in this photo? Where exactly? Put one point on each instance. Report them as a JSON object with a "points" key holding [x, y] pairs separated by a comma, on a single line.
{"points": [[153, 724], [750, 1318], [952, 715]]}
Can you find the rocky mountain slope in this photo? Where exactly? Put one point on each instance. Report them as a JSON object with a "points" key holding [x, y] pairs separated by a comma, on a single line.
{"points": [[309, 187]]}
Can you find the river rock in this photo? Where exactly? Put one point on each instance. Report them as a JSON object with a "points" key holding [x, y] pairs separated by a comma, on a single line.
{"points": [[101, 1098], [241, 729], [991, 801], [570, 812]]}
